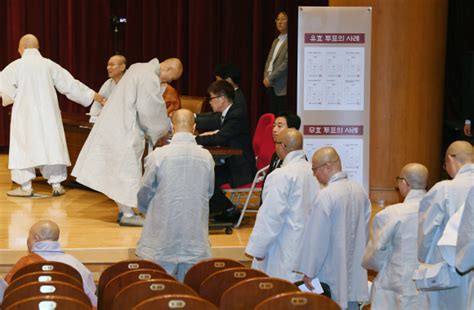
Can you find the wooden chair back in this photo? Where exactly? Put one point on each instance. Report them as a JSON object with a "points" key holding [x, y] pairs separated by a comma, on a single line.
{"points": [[120, 267], [54, 288], [186, 302], [192, 103], [122, 280], [43, 277], [217, 283], [48, 266], [133, 294], [48, 302], [199, 272], [249, 293], [298, 301]]}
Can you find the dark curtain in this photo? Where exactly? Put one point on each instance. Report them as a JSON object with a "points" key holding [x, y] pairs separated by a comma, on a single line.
{"points": [[202, 33]]}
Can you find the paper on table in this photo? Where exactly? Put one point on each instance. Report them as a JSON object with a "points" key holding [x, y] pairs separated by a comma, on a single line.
{"points": [[318, 289]]}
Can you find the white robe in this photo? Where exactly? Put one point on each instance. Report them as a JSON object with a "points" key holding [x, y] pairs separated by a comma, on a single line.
{"points": [[392, 253], [110, 160], [436, 208], [175, 192], [465, 246], [335, 238], [105, 90], [287, 197], [36, 131], [51, 250]]}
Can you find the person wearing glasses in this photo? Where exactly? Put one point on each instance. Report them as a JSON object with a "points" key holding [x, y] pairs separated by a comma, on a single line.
{"points": [[436, 208], [392, 252], [288, 195], [230, 128], [276, 67], [336, 233]]}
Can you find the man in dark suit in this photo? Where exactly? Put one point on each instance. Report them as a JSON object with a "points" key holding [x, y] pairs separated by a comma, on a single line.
{"points": [[228, 126], [276, 66], [231, 74]]}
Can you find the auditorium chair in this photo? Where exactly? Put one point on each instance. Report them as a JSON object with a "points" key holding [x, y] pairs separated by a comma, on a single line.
{"points": [[298, 301], [249, 293], [192, 103], [43, 277], [48, 302], [201, 270], [263, 147], [48, 266], [122, 280], [123, 266], [216, 284], [186, 302], [53, 288], [133, 294]]}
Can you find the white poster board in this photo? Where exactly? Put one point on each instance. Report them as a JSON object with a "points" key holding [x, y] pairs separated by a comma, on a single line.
{"points": [[333, 95]]}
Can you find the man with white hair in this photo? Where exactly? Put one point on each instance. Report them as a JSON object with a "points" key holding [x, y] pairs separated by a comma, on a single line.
{"points": [[392, 251], [436, 209]]}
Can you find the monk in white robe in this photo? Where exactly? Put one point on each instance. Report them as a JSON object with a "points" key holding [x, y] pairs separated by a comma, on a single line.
{"points": [[111, 158], [336, 233], [43, 245], [36, 133], [436, 209], [175, 192], [116, 67], [392, 251], [288, 195]]}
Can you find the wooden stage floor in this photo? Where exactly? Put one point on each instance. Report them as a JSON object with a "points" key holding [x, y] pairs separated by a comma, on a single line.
{"points": [[88, 228]]}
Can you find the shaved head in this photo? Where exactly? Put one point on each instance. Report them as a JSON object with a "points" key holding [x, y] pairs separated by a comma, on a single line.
{"points": [[170, 70], [416, 175], [27, 41], [326, 155], [462, 150], [183, 121], [44, 230], [120, 59], [292, 139]]}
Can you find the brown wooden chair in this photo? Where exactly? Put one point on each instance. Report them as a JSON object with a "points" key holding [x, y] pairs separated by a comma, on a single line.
{"points": [[43, 277], [54, 288], [249, 293], [121, 267], [298, 301], [192, 103], [186, 302], [48, 266], [199, 272], [48, 302], [133, 294], [122, 280], [217, 283]]}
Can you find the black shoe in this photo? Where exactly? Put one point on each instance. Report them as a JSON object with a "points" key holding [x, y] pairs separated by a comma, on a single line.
{"points": [[231, 216]]}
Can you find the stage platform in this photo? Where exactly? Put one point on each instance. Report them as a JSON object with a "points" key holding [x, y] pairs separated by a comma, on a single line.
{"points": [[89, 231]]}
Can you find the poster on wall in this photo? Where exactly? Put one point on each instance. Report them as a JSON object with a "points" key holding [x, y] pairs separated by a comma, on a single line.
{"points": [[333, 95]]}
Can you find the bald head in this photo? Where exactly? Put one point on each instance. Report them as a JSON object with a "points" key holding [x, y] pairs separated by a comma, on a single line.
{"points": [[292, 139], [44, 230], [27, 41], [462, 151], [416, 175], [170, 70], [183, 121], [327, 155]]}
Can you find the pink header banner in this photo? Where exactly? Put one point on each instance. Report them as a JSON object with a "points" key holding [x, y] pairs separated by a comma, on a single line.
{"points": [[338, 38]]}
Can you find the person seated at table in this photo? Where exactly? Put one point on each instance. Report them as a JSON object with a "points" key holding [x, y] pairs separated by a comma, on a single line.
{"points": [[231, 129], [43, 246]]}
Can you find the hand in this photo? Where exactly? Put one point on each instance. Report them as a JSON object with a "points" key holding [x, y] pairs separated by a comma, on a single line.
{"points": [[307, 281], [266, 83], [209, 133], [467, 130], [100, 99]]}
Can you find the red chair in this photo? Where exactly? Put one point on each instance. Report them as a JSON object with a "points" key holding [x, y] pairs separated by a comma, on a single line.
{"points": [[264, 147]]}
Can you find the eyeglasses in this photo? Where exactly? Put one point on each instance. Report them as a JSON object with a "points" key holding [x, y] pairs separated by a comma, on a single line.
{"points": [[399, 178], [280, 20], [211, 98], [328, 162]]}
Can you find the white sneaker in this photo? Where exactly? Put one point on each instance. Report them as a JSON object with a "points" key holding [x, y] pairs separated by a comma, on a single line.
{"points": [[20, 192]]}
